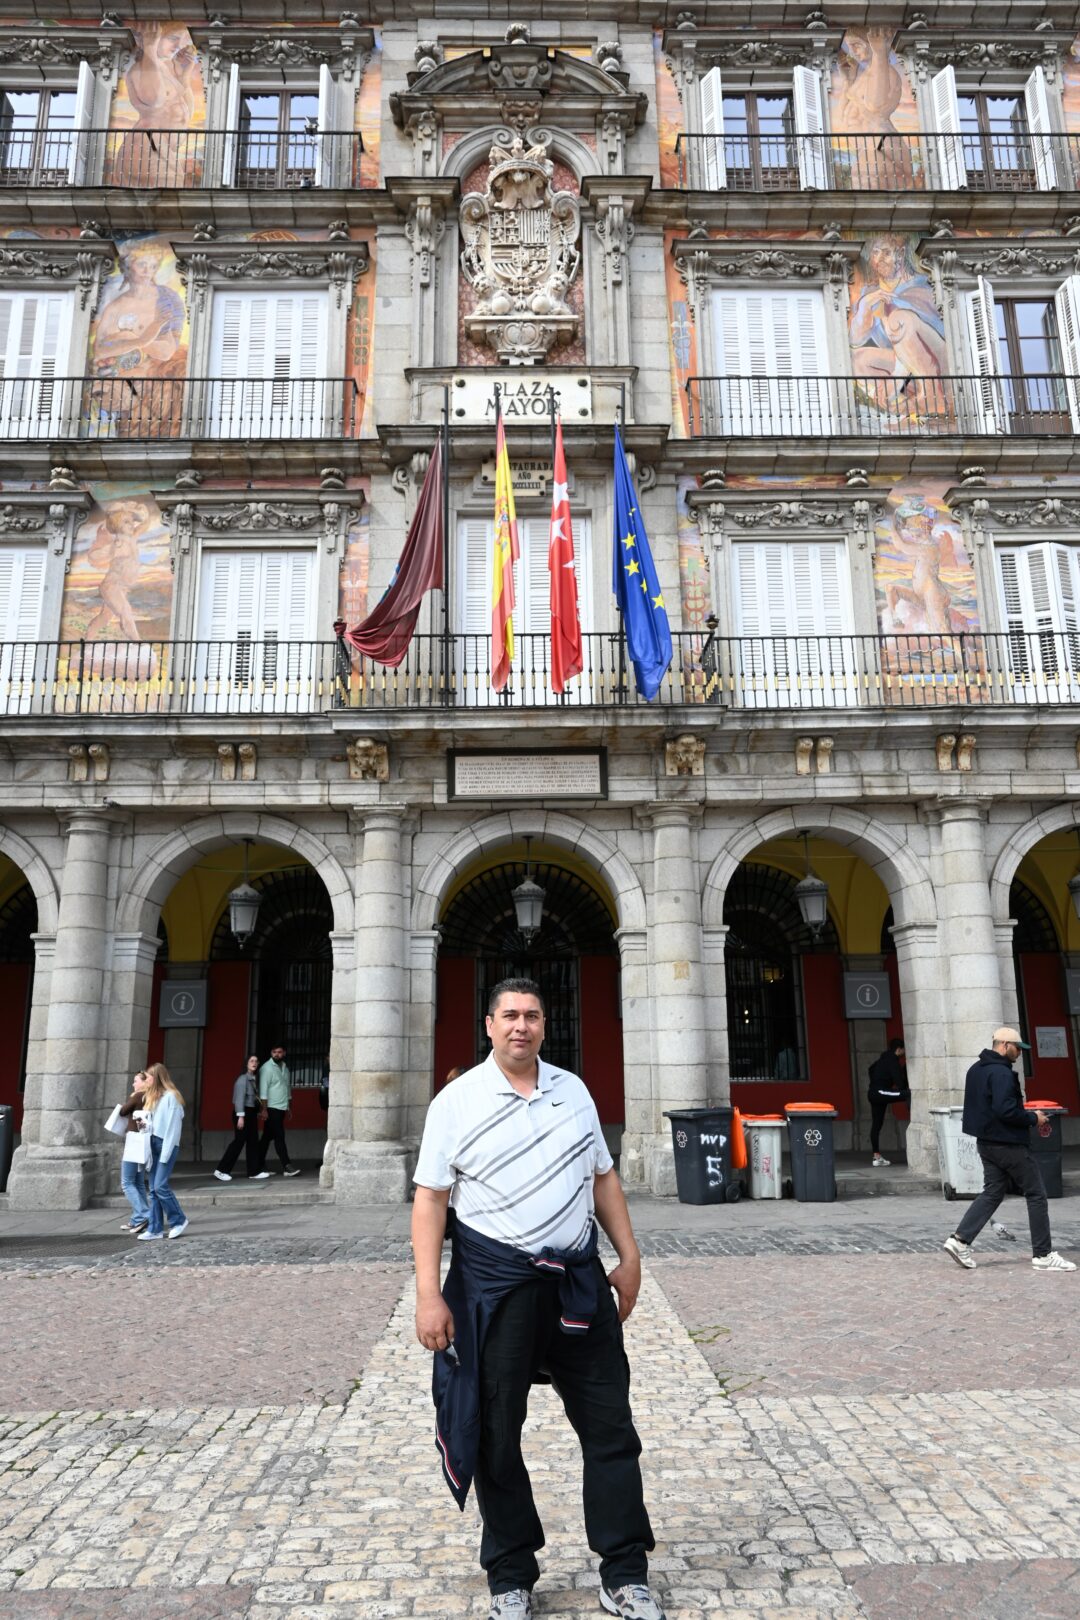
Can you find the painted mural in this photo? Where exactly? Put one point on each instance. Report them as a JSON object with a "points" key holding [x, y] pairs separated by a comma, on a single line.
{"points": [[162, 90], [367, 112], [897, 335], [669, 117], [355, 568], [870, 96], [119, 584], [140, 330]]}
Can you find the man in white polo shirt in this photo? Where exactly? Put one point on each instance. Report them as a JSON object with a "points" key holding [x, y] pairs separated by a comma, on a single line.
{"points": [[514, 1149]]}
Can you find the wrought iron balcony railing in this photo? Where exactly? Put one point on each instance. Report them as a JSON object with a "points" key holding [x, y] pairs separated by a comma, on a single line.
{"points": [[181, 159], [881, 407], [974, 161], [271, 677], [156, 408]]}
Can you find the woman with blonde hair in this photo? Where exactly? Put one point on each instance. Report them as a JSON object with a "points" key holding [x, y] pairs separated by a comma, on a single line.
{"points": [[165, 1110]]}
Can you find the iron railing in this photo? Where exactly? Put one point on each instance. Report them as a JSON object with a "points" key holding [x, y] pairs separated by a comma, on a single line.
{"points": [[181, 159], [271, 677], [880, 406], [890, 162], [133, 407]]}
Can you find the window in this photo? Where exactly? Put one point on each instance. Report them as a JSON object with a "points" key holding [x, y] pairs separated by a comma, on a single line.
{"points": [[35, 338], [1000, 140], [764, 140], [1026, 353], [269, 356], [279, 137], [794, 620], [532, 612], [1040, 604], [771, 362], [255, 624], [22, 591], [39, 129]]}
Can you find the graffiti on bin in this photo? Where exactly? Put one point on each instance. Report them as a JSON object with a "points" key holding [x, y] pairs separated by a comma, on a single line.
{"points": [[714, 1170], [713, 1140]]}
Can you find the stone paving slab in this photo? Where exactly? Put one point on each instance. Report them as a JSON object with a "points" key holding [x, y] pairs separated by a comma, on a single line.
{"points": [[1031, 1589], [860, 1325], [118, 1603]]}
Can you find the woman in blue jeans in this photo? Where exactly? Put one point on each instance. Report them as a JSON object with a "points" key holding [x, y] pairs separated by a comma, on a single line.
{"points": [[165, 1107], [133, 1168]]}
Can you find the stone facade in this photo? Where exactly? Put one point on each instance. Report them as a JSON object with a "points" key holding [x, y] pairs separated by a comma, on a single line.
{"points": [[922, 734]]}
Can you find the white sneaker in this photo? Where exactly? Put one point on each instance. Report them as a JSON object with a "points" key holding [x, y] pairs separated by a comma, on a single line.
{"points": [[219, 1175], [149, 1237], [880, 1162], [516, 1605], [175, 1231], [260, 1175], [961, 1253], [631, 1602], [293, 1170], [1052, 1262]]}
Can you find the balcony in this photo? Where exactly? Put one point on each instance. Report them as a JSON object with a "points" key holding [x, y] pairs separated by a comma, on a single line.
{"points": [[857, 673], [163, 409], [180, 159]]}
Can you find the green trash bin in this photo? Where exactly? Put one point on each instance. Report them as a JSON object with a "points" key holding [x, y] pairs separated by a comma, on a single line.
{"points": [[813, 1158], [701, 1138]]}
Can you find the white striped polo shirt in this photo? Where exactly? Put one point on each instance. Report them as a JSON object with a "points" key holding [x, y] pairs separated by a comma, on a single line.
{"points": [[520, 1169]]}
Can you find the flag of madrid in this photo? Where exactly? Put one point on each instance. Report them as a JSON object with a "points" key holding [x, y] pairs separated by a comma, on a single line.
{"points": [[566, 658]]}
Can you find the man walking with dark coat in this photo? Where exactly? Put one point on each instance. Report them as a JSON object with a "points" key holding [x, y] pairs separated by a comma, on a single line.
{"points": [[994, 1114]]}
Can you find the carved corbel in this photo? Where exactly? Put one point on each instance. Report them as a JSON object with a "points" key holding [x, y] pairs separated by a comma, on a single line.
{"points": [[58, 529], [428, 55], [943, 751], [181, 519], [836, 276], [226, 753], [424, 132], [98, 755], [804, 748], [194, 272], [616, 232], [333, 527], [247, 754], [63, 478], [369, 761], [965, 751], [823, 756], [685, 756], [78, 763], [424, 230]]}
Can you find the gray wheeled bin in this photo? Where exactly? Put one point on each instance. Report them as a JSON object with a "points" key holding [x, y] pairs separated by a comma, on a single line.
{"points": [[813, 1159], [7, 1142], [701, 1138], [1045, 1142]]}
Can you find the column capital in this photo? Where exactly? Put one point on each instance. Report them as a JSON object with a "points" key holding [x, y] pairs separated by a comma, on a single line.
{"points": [[714, 943], [91, 819], [378, 817], [669, 813], [343, 949], [912, 934], [972, 807], [44, 948], [633, 944], [135, 950]]}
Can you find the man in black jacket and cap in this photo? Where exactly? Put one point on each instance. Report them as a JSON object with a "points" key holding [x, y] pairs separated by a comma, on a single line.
{"points": [[994, 1114]]}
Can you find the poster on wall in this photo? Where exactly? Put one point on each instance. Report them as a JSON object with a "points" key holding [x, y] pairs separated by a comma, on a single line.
{"points": [[1051, 1041]]}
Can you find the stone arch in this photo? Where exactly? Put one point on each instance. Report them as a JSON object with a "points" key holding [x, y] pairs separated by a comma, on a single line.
{"points": [[474, 147], [554, 827], [170, 859], [902, 873], [1060, 818], [37, 874]]}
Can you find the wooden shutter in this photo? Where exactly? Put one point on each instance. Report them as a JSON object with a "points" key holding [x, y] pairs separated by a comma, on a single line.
{"points": [[714, 161], [1067, 308], [810, 131], [22, 590], [472, 587], [324, 157], [1029, 611], [249, 602], [276, 343], [35, 338], [84, 113], [232, 126], [989, 397], [797, 592], [533, 612], [775, 343], [1037, 104], [949, 145]]}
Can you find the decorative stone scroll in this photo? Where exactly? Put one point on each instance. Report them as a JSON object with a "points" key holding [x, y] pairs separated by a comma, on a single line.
{"points": [[520, 253], [339, 266]]}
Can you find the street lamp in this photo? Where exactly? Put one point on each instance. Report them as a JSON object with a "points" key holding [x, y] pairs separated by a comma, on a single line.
{"points": [[812, 895], [244, 903], [528, 900]]}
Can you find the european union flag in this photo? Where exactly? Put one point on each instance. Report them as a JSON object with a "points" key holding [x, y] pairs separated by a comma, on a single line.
{"points": [[636, 586]]}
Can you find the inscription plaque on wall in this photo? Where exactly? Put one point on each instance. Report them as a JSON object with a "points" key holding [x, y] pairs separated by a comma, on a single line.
{"points": [[523, 395], [557, 773]]}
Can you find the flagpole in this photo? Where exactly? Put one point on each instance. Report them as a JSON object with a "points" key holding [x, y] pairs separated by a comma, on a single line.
{"points": [[551, 411], [444, 451]]}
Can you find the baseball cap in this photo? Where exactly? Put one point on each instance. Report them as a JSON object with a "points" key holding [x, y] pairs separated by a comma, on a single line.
{"points": [[1007, 1033]]}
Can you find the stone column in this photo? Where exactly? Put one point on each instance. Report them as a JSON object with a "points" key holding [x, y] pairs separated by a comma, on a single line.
{"points": [[68, 1164], [713, 948], [677, 996], [128, 1024], [1010, 990], [44, 950], [637, 1053], [342, 1024], [373, 1167]]}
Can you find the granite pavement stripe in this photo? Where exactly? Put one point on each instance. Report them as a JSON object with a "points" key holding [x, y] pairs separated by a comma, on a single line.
{"points": [[1018, 1589]]}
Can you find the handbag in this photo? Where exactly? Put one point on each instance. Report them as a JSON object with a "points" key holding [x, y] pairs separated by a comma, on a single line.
{"points": [[115, 1124]]}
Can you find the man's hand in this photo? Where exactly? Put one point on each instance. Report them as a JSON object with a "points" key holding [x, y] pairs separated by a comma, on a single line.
{"points": [[626, 1281], [434, 1323], [1041, 1118]]}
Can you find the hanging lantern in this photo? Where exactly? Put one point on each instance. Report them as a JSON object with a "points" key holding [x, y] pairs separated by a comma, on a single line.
{"points": [[812, 895], [528, 900], [244, 903]]}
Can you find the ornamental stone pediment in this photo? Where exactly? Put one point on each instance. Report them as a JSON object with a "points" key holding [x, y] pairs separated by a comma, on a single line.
{"points": [[37, 48], [337, 263], [192, 514], [782, 513], [345, 50], [1019, 511], [81, 262]]}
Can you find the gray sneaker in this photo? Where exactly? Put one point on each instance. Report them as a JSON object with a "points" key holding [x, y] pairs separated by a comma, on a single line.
{"points": [[961, 1252], [631, 1602], [515, 1605]]}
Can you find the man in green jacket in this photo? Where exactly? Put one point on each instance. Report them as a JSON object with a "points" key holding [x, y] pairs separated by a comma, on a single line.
{"points": [[275, 1091]]}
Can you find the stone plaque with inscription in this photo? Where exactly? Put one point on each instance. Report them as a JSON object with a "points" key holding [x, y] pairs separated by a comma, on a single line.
{"points": [[560, 773], [522, 395]]}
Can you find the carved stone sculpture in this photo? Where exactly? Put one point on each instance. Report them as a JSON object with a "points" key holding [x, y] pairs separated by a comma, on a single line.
{"points": [[369, 761], [965, 752], [804, 748], [685, 756], [943, 749], [520, 254]]}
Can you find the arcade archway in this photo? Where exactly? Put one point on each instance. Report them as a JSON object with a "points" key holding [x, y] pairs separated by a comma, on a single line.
{"points": [[18, 924]]}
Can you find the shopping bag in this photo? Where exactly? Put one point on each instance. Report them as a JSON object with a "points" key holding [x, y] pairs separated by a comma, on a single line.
{"points": [[136, 1147], [738, 1142], [115, 1124]]}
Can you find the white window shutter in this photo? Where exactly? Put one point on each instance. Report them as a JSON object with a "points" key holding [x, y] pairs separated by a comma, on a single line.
{"points": [[714, 164], [810, 130], [1067, 308], [35, 339], [989, 398], [952, 167], [476, 542], [229, 148], [22, 590], [324, 160], [1037, 104], [84, 113]]}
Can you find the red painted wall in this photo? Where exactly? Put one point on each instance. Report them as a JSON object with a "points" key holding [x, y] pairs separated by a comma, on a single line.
{"points": [[224, 1046], [155, 1045], [827, 1049], [15, 1008], [601, 1036], [1044, 1003], [455, 1016]]}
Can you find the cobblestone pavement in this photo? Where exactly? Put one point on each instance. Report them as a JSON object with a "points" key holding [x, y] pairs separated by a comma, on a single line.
{"points": [[828, 1436]]}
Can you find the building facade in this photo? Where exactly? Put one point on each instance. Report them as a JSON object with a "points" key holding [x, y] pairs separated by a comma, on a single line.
{"points": [[825, 268]]}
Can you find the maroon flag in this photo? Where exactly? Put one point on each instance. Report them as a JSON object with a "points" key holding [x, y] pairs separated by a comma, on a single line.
{"points": [[386, 632]]}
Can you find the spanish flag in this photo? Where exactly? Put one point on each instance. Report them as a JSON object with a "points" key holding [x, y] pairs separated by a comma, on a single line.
{"points": [[506, 553]]}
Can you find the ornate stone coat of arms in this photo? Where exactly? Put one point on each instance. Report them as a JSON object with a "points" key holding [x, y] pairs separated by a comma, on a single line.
{"points": [[520, 253]]}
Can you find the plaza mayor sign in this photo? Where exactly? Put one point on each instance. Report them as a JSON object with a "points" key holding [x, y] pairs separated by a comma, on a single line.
{"points": [[523, 396]]}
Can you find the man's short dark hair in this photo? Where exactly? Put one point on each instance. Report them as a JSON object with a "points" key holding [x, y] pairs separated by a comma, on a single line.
{"points": [[515, 987]]}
